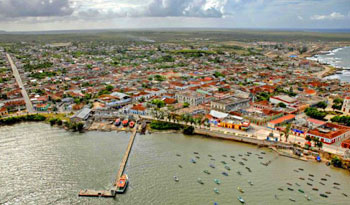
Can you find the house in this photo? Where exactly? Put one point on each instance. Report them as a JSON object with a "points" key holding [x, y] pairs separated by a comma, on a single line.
{"points": [[329, 133], [138, 110], [3, 111], [191, 97], [346, 105], [229, 104], [279, 121], [42, 107]]}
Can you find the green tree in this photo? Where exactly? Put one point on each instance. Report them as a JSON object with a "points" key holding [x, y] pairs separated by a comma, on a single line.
{"points": [[186, 104], [282, 105], [337, 162]]}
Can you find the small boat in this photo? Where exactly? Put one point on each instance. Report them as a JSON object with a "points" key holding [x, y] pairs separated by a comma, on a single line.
{"points": [[344, 194], [240, 155], [261, 157], [290, 189], [195, 152], [310, 179], [301, 169], [335, 187], [311, 175], [262, 152], [301, 178], [295, 170], [212, 166], [297, 184], [232, 156], [328, 192], [212, 159], [249, 153], [217, 181], [216, 191], [324, 195], [251, 183], [276, 197], [289, 184], [224, 173], [125, 123], [241, 163], [199, 180], [240, 190], [307, 197], [239, 173], [197, 157], [291, 199], [233, 160], [180, 166], [328, 175], [179, 155], [223, 162], [193, 161], [209, 155], [280, 189], [309, 184], [131, 124], [224, 155], [265, 164], [315, 189], [249, 170], [227, 167], [323, 179], [301, 191], [240, 199], [335, 183], [117, 122], [176, 179], [122, 183], [244, 159], [206, 171], [322, 183]]}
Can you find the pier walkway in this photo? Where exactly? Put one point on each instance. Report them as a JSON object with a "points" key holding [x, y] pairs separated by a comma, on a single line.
{"points": [[112, 192]]}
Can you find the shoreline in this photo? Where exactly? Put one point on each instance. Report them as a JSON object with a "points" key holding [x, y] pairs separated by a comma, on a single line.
{"points": [[274, 146]]}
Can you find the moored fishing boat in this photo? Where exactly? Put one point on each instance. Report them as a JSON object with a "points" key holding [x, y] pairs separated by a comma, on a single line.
{"points": [[324, 195], [117, 122], [290, 189], [241, 200], [239, 173], [307, 197], [301, 178], [224, 155], [199, 180], [322, 183], [280, 189], [291, 199], [122, 183], [131, 124], [240, 189], [335, 183], [125, 122], [193, 161], [301, 191], [223, 162], [224, 173], [212, 166], [323, 179], [227, 167], [251, 183], [217, 181], [309, 184], [297, 184], [216, 190], [206, 171], [315, 189], [180, 166], [344, 194], [176, 179], [289, 184]]}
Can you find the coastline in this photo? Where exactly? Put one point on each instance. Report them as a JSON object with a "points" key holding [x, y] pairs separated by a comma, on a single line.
{"points": [[278, 147]]}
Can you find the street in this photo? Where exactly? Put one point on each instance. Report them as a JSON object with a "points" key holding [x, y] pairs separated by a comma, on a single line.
{"points": [[29, 105]]}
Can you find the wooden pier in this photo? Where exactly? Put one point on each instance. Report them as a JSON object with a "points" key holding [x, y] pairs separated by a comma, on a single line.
{"points": [[112, 192]]}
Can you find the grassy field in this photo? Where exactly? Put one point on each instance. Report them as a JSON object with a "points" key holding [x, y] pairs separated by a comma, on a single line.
{"points": [[176, 36]]}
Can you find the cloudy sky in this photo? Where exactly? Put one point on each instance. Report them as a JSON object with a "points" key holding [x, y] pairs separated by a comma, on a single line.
{"points": [[29, 15]]}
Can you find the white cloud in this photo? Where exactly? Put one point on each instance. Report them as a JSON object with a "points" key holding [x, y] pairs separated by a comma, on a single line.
{"points": [[332, 16]]}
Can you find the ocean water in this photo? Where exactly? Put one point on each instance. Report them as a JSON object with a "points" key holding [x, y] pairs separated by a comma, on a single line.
{"points": [[339, 58], [47, 165]]}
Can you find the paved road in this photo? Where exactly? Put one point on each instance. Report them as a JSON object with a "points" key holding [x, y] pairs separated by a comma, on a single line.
{"points": [[29, 105]]}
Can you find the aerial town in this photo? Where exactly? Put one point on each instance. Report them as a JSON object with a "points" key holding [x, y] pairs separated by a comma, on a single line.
{"points": [[263, 90]]}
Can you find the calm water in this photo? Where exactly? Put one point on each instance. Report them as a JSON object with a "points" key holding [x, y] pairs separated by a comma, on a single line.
{"points": [[44, 165], [339, 58]]}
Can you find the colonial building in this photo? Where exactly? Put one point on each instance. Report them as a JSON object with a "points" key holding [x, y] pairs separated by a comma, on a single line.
{"points": [[346, 105], [191, 97], [229, 104]]}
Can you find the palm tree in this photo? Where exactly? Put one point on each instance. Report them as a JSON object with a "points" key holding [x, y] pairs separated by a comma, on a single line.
{"points": [[287, 130]]}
